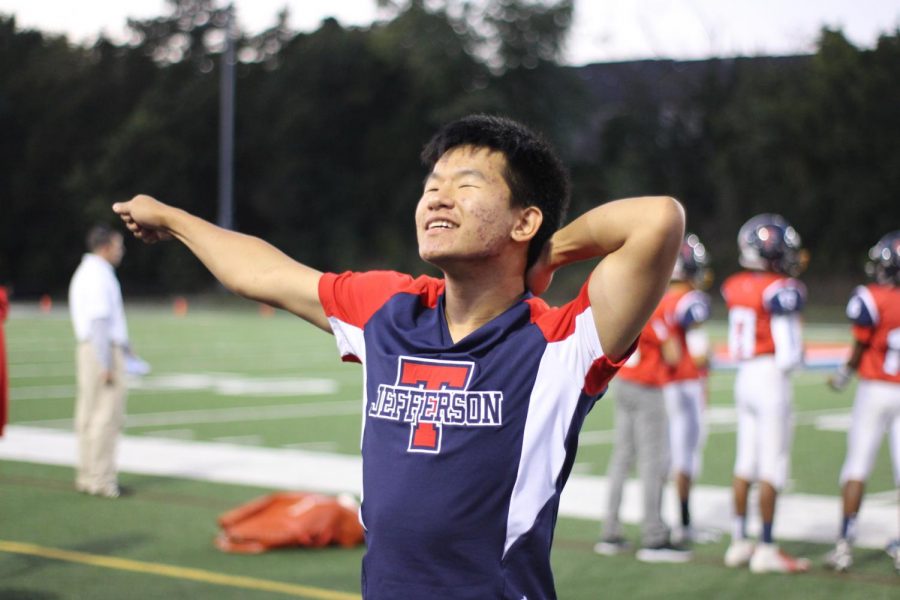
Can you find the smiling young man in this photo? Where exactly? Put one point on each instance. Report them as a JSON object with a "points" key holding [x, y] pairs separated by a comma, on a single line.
{"points": [[475, 390]]}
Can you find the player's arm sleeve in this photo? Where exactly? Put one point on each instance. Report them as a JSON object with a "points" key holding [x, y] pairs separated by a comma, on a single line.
{"points": [[697, 341], [785, 297], [693, 308], [863, 314], [575, 342], [787, 332], [350, 299], [785, 300]]}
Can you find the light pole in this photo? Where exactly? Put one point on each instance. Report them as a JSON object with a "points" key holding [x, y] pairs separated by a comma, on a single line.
{"points": [[226, 125]]}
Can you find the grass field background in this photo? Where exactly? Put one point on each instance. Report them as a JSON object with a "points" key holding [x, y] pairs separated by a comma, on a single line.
{"points": [[220, 362]]}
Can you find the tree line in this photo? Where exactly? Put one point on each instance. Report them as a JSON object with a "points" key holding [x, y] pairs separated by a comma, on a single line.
{"points": [[329, 125]]}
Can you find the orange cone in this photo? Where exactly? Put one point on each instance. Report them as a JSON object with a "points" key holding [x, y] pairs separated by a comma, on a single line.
{"points": [[180, 306], [46, 303]]}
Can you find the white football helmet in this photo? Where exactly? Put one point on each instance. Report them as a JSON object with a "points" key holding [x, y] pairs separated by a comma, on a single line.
{"points": [[767, 242], [884, 260], [692, 264]]}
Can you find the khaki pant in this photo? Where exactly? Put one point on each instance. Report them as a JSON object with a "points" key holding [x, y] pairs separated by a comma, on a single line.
{"points": [[642, 435], [99, 417]]}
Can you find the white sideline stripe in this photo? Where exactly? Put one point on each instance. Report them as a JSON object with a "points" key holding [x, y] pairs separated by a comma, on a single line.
{"points": [[800, 517], [209, 461], [225, 415], [220, 383], [804, 517], [41, 392], [723, 419]]}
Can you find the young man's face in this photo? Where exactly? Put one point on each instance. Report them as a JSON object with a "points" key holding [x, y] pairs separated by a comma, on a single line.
{"points": [[464, 212]]}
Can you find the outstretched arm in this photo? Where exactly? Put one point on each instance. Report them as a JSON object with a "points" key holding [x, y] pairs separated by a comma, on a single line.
{"points": [[638, 240], [246, 265]]}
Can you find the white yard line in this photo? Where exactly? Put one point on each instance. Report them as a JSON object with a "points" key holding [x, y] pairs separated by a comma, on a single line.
{"points": [[225, 415], [806, 517], [225, 384], [723, 419]]}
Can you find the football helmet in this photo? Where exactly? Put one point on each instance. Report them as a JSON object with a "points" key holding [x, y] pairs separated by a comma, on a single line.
{"points": [[767, 242], [692, 264], [884, 260]]}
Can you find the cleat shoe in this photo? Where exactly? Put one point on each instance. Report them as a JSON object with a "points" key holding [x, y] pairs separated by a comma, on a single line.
{"points": [[108, 491], [893, 548], [739, 553], [768, 558], [840, 558], [612, 546], [664, 553]]}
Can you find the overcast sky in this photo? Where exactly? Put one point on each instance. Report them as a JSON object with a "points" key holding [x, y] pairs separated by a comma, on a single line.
{"points": [[604, 30]]}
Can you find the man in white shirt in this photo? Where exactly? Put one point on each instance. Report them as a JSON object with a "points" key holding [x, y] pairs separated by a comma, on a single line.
{"points": [[98, 317]]}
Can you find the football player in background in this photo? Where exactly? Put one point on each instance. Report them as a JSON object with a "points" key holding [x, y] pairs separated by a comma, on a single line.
{"points": [[686, 307], [874, 310], [765, 336], [657, 418]]}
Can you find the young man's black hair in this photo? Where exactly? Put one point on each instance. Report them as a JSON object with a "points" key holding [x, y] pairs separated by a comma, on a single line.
{"points": [[535, 174]]}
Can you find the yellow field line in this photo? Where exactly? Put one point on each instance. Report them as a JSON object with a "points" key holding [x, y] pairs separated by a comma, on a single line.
{"points": [[124, 564]]}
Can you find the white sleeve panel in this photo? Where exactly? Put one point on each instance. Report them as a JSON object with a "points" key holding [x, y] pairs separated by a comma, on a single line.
{"points": [[352, 343], [350, 339], [787, 332], [551, 407], [697, 339]]}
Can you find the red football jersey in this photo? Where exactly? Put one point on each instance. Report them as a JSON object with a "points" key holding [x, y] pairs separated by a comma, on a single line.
{"points": [[752, 298], [683, 307], [875, 313], [646, 366]]}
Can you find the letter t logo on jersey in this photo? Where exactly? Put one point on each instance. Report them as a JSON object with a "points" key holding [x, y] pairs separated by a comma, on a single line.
{"points": [[432, 375]]}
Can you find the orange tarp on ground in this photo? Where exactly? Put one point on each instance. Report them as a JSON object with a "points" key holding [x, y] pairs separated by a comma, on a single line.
{"points": [[290, 519]]}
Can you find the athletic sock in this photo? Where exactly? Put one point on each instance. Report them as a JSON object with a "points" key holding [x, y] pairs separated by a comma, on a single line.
{"points": [[685, 514], [848, 527], [767, 533]]}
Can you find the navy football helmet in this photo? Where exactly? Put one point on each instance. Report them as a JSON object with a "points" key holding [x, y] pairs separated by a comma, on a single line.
{"points": [[767, 242], [692, 264], [884, 260]]}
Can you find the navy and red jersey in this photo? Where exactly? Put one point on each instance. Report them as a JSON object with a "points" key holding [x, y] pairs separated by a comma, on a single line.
{"points": [[466, 446], [684, 308], [874, 311]]}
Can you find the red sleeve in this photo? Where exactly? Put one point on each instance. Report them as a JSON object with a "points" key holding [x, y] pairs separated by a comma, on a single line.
{"points": [[863, 335], [558, 323], [355, 297]]}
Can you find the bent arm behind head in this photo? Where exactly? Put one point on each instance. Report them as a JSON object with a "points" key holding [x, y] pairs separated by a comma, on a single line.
{"points": [[638, 240], [246, 265]]}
